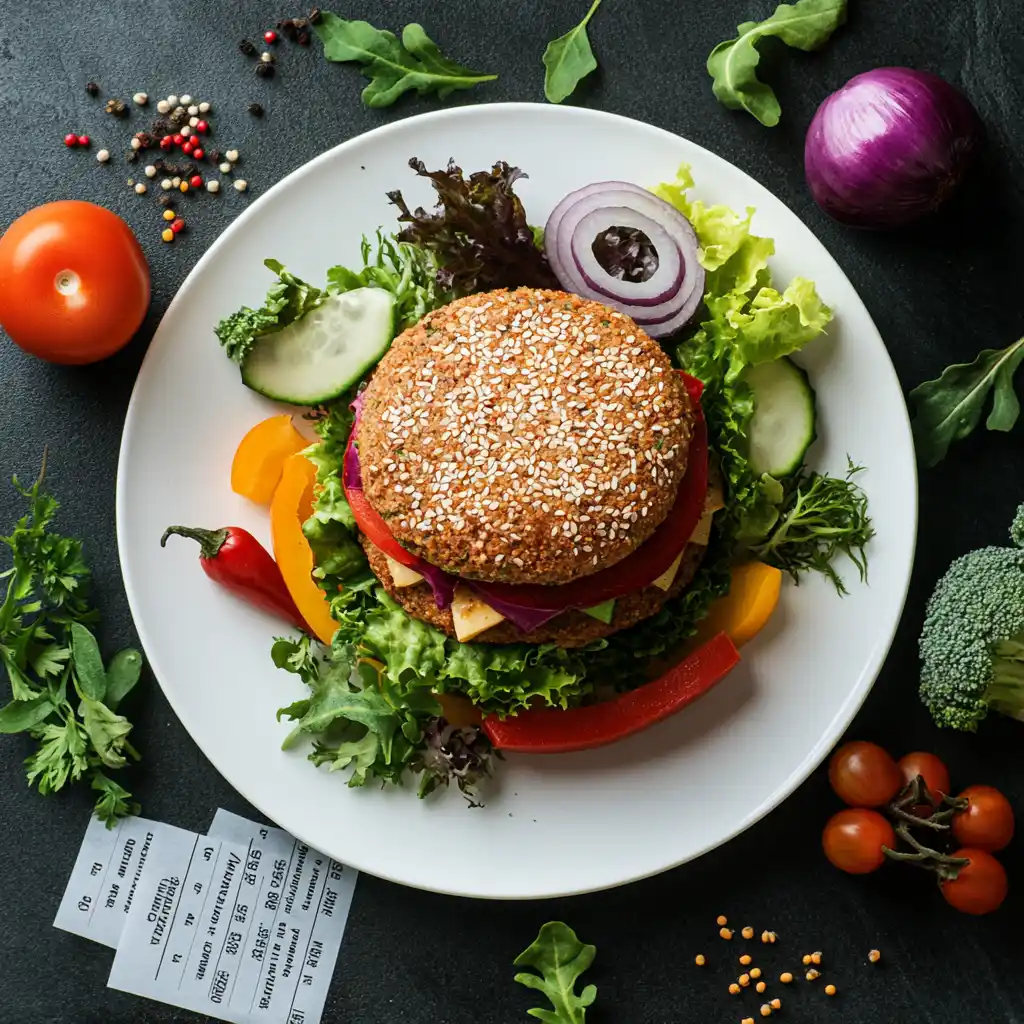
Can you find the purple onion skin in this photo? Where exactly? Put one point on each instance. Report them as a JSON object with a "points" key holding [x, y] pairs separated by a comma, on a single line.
{"points": [[889, 147]]}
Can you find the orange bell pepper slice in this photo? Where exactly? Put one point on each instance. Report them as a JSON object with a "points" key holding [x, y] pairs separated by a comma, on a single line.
{"points": [[259, 459], [290, 508], [744, 611]]}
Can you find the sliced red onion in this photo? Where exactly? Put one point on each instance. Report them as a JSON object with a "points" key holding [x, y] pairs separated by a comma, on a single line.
{"points": [[663, 303], [524, 618]]}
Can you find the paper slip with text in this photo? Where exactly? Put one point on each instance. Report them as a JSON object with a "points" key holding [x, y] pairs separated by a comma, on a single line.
{"points": [[106, 876]]}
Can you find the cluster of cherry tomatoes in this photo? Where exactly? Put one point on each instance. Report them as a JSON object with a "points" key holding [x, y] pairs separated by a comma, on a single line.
{"points": [[980, 823]]}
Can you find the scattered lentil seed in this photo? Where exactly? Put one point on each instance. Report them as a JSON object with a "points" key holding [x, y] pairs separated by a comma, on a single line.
{"points": [[744, 980], [816, 957], [767, 937], [169, 215], [806, 959], [265, 70], [748, 932], [776, 1003], [725, 933], [255, 109], [786, 978], [150, 171], [103, 156], [813, 975], [721, 920], [167, 235], [92, 88], [755, 972], [140, 188], [213, 186], [140, 99], [699, 960], [745, 959], [116, 108], [760, 986], [163, 106], [830, 990], [874, 956], [747, 1020], [734, 989], [766, 1010], [240, 186], [204, 107]]}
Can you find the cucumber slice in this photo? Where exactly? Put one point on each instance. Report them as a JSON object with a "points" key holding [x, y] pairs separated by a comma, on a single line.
{"points": [[783, 425], [323, 354]]}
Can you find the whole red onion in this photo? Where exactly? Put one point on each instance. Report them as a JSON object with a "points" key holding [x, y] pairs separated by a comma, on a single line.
{"points": [[889, 147]]}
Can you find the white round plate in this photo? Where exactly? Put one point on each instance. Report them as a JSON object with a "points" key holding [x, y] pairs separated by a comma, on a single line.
{"points": [[637, 808]]}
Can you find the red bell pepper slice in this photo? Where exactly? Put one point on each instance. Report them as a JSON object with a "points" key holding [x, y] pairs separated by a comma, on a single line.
{"points": [[558, 731]]}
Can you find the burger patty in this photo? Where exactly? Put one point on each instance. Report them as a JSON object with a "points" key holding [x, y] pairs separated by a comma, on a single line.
{"points": [[570, 629], [525, 436]]}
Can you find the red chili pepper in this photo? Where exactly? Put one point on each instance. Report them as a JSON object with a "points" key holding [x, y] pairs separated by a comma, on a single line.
{"points": [[236, 560], [556, 731]]}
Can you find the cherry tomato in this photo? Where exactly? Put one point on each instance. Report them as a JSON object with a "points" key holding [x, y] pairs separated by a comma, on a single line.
{"points": [[74, 285], [864, 775], [981, 885], [853, 840], [934, 773], [987, 824]]}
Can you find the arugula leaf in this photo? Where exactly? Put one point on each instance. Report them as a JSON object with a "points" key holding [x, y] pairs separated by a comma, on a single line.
{"points": [[805, 25], [568, 60], [950, 408], [45, 647], [394, 67], [559, 958], [288, 299]]}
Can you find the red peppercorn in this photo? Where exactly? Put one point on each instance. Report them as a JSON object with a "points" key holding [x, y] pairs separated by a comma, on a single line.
{"points": [[178, 224], [177, 139], [198, 154], [71, 140], [83, 140], [270, 36], [196, 181], [166, 142], [187, 148], [202, 127]]}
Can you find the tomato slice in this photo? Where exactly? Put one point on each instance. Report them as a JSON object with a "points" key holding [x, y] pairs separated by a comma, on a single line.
{"points": [[634, 572]]}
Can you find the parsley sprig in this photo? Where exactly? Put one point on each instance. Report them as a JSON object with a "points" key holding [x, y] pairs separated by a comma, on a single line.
{"points": [[62, 695]]}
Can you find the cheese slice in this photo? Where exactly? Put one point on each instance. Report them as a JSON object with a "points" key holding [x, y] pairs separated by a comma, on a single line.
{"points": [[470, 615], [664, 581], [402, 575], [715, 498], [702, 533]]}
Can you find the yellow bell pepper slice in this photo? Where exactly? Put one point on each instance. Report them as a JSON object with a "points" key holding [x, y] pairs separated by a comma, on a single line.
{"points": [[259, 459], [744, 611]]}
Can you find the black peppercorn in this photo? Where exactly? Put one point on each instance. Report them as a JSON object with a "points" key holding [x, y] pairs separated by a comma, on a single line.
{"points": [[315, 17], [116, 107], [145, 139], [255, 109], [165, 200], [303, 38], [215, 156], [265, 70], [287, 28], [247, 48], [92, 88]]}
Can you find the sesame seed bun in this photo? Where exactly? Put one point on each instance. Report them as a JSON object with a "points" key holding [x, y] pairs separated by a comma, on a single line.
{"points": [[570, 629], [525, 436]]}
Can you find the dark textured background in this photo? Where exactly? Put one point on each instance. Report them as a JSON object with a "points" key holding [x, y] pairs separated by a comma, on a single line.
{"points": [[938, 293]]}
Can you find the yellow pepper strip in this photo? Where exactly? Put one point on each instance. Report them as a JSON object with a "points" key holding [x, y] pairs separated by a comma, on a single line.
{"points": [[260, 457]]}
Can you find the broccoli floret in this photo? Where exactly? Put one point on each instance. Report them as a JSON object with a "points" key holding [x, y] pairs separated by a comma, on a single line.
{"points": [[972, 644]]}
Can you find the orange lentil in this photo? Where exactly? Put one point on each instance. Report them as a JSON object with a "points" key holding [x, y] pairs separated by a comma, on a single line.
{"points": [[699, 960], [813, 975], [734, 989], [747, 1020], [722, 920], [766, 1010], [744, 980], [725, 934], [755, 972], [767, 937], [776, 1004], [785, 977], [874, 956], [816, 958], [806, 958], [745, 959], [830, 990], [748, 932], [760, 986]]}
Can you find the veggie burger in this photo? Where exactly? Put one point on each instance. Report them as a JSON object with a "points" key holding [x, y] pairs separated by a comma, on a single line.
{"points": [[526, 465]]}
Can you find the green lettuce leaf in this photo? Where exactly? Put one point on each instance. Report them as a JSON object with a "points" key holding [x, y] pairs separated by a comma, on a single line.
{"points": [[558, 958]]}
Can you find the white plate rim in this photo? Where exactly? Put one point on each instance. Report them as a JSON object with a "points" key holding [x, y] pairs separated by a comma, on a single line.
{"points": [[844, 715]]}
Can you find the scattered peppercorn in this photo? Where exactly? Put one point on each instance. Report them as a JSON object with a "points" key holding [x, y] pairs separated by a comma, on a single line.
{"points": [[178, 118], [84, 140], [270, 36], [247, 48], [140, 188], [163, 106], [103, 156], [745, 959], [267, 57], [183, 187], [303, 38], [196, 181], [315, 17], [204, 107], [169, 215], [92, 88], [166, 200], [874, 956], [71, 140], [201, 126], [150, 171], [140, 99], [786, 978], [198, 153], [213, 186], [178, 225], [255, 109], [287, 28], [265, 70], [116, 108], [699, 960], [216, 156], [166, 184], [167, 235], [231, 156], [748, 932], [760, 986], [185, 99], [830, 990]]}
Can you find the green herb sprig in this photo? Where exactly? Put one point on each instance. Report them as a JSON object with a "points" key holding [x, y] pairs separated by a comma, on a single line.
{"points": [[62, 695], [569, 59], [821, 517], [559, 958]]}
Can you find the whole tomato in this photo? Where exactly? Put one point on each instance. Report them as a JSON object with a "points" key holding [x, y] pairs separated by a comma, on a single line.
{"points": [[853, 840], [981, 885], [987, 823], [862, 774], [934, 773], [74, 284]]}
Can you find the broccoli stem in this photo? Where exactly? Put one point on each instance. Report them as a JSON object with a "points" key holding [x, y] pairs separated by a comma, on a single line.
{"points": [[1007, 686]]}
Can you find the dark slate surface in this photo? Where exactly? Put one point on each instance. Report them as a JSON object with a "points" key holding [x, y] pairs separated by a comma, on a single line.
{"points": [[938, 293]]}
